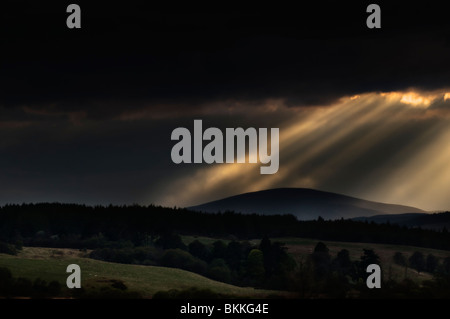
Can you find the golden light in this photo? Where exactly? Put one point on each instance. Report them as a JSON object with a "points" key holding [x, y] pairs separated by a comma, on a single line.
{"points": [[416, 174], [412, 98], [415, 99]]}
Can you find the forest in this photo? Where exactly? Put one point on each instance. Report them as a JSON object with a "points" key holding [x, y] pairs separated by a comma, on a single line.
{"points": [[87, 227]]}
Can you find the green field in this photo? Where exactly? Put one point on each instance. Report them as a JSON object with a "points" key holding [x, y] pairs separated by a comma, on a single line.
{"points": [[51, 263]]}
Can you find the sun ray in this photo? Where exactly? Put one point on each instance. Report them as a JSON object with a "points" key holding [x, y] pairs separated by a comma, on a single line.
{"points": [[317, 143]]}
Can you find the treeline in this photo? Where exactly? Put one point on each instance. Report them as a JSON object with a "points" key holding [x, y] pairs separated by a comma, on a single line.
{"points": [[420, 263], [9, 249], [24, 287], [80, 226], [316, 275], [322, 275], [240, 263]]}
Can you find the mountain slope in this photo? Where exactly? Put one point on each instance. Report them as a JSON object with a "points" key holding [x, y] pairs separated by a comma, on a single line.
{"points": [[303, 203], [435, 221]]}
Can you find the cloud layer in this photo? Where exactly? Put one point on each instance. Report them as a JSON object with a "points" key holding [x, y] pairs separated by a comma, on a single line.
{"points": [[377, 146], [87, 116]]}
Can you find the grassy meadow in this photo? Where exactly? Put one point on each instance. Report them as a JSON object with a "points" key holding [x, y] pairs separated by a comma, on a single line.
{"points": [[51, 263]]}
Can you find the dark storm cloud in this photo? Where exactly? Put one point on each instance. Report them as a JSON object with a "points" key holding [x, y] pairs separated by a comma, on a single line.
{"points": [[123, 59], [86, 115], [93, 162]]}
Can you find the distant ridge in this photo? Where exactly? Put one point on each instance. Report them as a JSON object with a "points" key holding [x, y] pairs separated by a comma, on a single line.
{"points": [[304, 203], [435, 221]]}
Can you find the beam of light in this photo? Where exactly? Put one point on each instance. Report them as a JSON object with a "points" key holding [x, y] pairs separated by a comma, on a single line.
{"points": [[204, 181], [318, 143], [337, 125], [413, 98], [424, 177]]}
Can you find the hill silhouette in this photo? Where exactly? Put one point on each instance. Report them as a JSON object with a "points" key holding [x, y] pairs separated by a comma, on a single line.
{"points": [[436, 221], [304, 203]]}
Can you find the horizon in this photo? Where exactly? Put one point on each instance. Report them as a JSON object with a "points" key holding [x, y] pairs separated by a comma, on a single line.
{"points": [[86, 115], [214, 200]]}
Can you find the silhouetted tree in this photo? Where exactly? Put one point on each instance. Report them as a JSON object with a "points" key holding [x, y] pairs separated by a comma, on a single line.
{"points": [[7, 249], [219, 270], [170, 241], [304, 279], [255, 267], [76, 226], [265, 244], [417, 261], [178, 258], [234, 254], [367, 258], [219, 249], [54, 288], [321, 260], [40, 288], [321, 248], [342, 263], [6, 281], [199, 250], [400, 259], [446, 266], [431, 263]]}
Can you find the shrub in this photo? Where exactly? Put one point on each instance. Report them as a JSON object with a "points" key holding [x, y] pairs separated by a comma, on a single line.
{"points": [[255, 267], [178, 258], [54, 288], [199, 250], [170, 241], [7, 249], [400, 259], [417, 261], [432, 263], [6, 281], [23, 287], [219, 270]]}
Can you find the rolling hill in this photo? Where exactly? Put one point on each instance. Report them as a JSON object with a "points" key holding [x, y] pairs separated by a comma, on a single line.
{"points": [[435, 221], [305, 204], [51, 263]]}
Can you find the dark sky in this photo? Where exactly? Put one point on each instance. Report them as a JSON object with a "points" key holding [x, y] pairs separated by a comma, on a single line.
{"points": [[86, 115]]}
